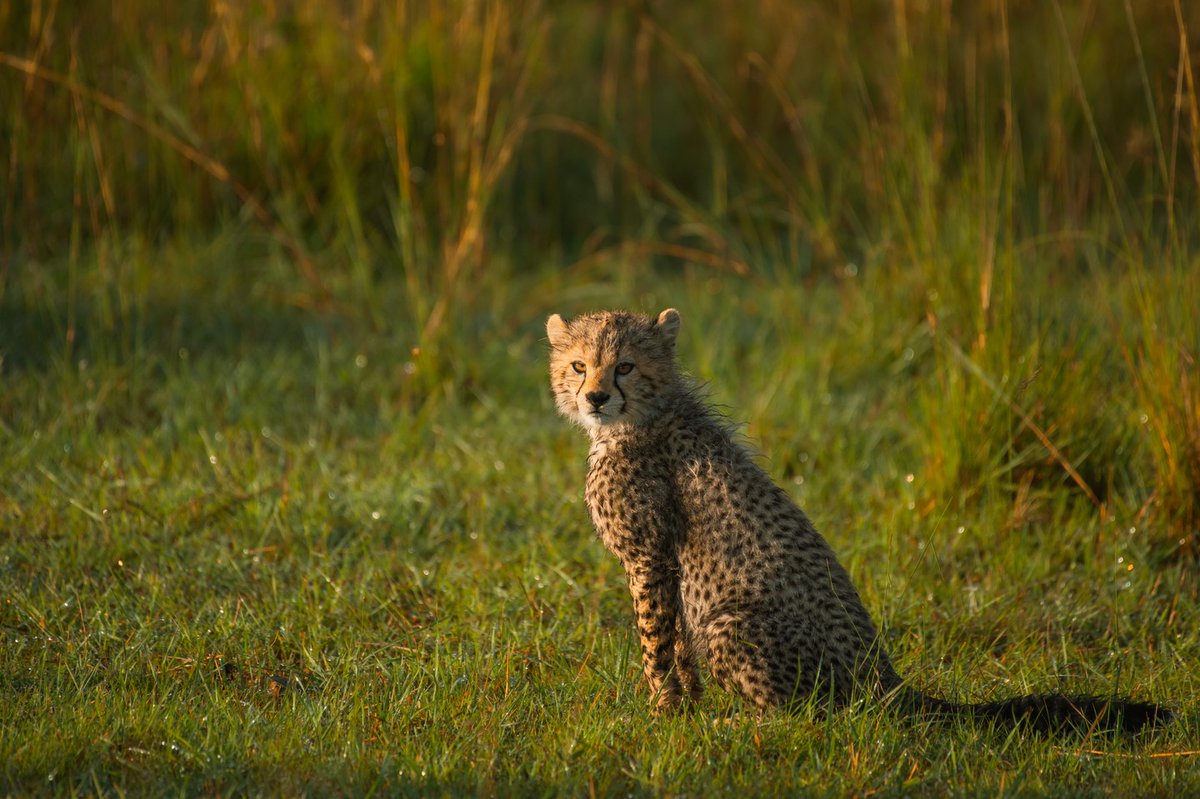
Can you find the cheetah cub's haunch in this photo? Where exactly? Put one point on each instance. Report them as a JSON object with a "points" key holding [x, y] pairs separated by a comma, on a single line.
{"points": [[722, 565]]}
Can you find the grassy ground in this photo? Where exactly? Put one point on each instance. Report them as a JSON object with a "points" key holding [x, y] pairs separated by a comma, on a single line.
{"points": [[246, 548], [284, 503]]}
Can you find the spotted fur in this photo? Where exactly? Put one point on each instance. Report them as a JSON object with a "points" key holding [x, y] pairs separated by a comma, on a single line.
{"points": [[723, 567]]}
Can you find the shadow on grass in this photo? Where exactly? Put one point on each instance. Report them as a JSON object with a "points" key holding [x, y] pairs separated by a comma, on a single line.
{"points": [[120, 773]]}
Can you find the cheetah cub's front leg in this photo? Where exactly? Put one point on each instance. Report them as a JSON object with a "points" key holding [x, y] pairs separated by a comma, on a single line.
{"points": [[667, 659], [657, 624], [642, 536]]}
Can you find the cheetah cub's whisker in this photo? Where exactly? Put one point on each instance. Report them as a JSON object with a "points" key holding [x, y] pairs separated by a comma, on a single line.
{"points": [[723, 567]]}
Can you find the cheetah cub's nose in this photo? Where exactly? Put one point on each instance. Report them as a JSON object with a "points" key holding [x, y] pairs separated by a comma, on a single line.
{"points": [[597, 398]]}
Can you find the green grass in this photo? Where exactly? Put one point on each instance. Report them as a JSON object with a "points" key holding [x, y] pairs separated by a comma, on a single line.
{"points": [[285, 507], [245, 549]]}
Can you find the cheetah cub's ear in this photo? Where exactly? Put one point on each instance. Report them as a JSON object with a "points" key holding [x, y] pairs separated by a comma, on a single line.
{"points": [[556, 329], [668, 324]]}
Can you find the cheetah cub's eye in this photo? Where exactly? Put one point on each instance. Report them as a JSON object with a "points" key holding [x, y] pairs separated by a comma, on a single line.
{"points": [[579, 366], [624, 368]]}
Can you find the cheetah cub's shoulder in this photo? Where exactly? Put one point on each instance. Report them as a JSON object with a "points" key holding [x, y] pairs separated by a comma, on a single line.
{"points": [[722, 565]]}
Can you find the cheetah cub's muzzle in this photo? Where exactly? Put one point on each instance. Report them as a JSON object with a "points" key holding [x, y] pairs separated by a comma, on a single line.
{"points": [[599, 399]]}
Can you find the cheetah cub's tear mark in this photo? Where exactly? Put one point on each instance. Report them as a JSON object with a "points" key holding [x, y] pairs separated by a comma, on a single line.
{"points": [[723, 567]]}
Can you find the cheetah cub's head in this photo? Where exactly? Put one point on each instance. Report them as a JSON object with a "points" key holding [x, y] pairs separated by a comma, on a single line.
{"points": [[613, 367]]}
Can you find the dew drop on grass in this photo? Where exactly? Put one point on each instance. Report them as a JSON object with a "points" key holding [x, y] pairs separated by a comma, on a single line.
{"points": [[908, 478], [360, 360], [376, 515], [212, 459], [961, 529], [908, 354], [1144, 419], [499, 466]]}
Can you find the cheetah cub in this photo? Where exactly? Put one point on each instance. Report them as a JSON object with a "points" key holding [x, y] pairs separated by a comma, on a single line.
{"points": [[722, 565]]}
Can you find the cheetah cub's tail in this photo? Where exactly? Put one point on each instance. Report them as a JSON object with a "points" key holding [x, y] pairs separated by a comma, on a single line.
{"points": [[1047, 713]]}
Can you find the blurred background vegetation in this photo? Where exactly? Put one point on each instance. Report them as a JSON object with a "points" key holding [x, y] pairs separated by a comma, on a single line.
{"points": [[425, 138], [1010, 176]]}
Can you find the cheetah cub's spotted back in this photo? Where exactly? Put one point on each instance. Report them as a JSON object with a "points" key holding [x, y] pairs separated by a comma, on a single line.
{"points": [[723, 567]]}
